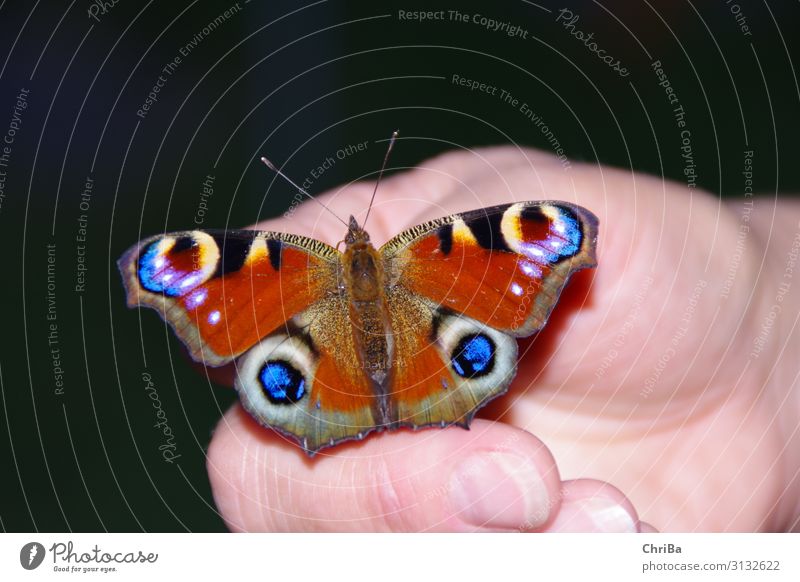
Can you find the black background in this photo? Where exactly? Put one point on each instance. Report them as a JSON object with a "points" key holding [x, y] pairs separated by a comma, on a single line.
{"points": [[296, 82]]}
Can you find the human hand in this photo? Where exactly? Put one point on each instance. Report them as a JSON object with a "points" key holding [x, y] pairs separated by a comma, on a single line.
{"points": [[643, 382]]}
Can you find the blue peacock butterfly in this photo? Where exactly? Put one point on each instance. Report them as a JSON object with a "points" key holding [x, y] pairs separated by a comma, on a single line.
{"points": [[330, 346]]}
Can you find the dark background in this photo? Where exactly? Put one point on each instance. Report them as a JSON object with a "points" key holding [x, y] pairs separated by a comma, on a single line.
{"points": [[296, 82]]}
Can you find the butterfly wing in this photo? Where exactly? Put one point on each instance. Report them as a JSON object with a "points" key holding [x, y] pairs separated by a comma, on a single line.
{"points": [[445, 365], [274, 298], [469, 282], [222, 291], [504, 266], [306, 382]]}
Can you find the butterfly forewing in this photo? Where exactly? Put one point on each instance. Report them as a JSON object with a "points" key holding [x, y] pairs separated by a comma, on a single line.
{"points": [[222, 291], [503, 266]]}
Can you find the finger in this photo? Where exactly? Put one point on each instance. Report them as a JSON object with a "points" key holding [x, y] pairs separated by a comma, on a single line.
{"points": [[490, 478], [588, 506]]}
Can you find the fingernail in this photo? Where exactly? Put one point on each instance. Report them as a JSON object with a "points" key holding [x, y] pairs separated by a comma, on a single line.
{"points": [[595, 514], [610, 516], [500, 491]]}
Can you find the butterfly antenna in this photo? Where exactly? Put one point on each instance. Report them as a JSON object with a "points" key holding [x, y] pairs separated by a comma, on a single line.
{"points": [[272, 167], [380, 175]]}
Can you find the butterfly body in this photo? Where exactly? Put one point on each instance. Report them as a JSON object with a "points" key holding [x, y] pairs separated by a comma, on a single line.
{"points": [[330, 346], [364, 285]]}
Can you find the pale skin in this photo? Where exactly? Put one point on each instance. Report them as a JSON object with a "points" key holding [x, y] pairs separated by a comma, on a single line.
{"points": [[655, 398]]}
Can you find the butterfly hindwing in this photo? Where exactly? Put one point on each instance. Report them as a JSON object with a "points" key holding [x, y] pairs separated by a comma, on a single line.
{"points": [[445, 366], [307, 382], [222, 291]]}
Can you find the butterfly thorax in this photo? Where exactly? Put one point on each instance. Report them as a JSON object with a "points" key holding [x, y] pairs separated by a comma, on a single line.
{"points": [[364, 283], [363, 268]]}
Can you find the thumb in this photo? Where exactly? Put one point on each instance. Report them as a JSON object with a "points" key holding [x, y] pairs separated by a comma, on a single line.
{"points": [[493, 477]]}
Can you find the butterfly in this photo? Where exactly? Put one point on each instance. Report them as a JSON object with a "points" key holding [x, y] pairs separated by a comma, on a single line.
{"points": [[330, 346]]}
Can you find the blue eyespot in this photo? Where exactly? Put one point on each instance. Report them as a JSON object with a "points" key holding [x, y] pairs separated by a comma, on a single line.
{"points": [[473, 356], [563, 239], [158, 274], [283, 384]]}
